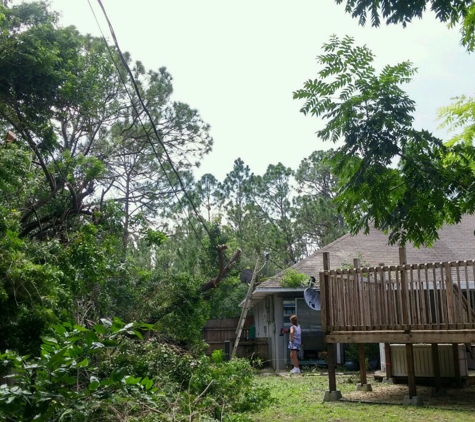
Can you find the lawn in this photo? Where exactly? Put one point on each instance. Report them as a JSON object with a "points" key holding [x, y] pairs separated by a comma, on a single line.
{"points": [[300, 398]]}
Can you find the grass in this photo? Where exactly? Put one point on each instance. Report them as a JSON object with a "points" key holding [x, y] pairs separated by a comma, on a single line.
{"points": [[300, 399]]}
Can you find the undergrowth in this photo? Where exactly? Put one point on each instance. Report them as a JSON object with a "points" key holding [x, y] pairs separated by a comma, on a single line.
{"points": [[108, 373]]}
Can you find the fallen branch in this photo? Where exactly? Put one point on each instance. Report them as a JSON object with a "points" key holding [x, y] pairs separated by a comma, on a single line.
{"points": [[223, 269]]}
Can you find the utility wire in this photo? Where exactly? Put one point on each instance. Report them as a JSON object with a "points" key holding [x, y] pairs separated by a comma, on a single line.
{"points": [[145, 109]]}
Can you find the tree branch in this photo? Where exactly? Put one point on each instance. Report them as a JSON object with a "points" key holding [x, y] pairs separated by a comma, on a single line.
{"points": [[223, 269]]}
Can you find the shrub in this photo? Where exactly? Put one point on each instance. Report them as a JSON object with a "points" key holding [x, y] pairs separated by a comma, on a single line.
{"points": [[105, 374], [293, 279]]}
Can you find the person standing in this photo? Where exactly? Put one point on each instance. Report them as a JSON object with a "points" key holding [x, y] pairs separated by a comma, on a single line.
{"points": [[295, 341]]}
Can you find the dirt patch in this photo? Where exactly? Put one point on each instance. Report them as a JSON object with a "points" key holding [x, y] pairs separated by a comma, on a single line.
{"points": [[394, 394]]}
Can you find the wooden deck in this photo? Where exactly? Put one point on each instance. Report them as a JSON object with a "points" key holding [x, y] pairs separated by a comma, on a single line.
{"points": [[408, 303], [416, 303]]}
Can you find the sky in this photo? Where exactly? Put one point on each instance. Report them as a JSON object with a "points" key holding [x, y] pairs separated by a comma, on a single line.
{"points": [[239, 62]]}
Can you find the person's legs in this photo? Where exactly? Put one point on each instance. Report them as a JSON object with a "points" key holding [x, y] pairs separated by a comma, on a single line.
{"points": [[295, 358]]}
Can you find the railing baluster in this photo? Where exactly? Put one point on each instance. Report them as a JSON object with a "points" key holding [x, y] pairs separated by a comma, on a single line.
{"points": [[443, 297], [459, 311], [470, 320]]}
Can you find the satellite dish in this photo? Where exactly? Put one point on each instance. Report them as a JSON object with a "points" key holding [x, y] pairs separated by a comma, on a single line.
{"points": [[312, 296], [246, 275]]}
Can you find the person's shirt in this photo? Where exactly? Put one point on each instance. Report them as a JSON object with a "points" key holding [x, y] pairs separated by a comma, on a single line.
{"points": [[297, 335]]}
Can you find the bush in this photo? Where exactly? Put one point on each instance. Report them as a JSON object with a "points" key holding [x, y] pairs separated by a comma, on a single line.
{"points": [[230, 386], [105, 374], [293, 279]]}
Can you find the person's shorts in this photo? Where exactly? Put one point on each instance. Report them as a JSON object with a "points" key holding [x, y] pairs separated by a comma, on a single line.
{"points": [[293, 346]]}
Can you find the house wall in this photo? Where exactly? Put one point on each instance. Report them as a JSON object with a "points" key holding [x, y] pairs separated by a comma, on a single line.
{"points": [[269, 319], [259, 320], [279, 358]]}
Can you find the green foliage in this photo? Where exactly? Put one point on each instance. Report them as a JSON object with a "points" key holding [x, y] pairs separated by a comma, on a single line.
{"points": [[460, 117], [218, 356], [317, 218], [230, 385], [402, 180], [154, 237], [403, 11], [97, 374], [468, 28], [224, 301], [31, 290], [216, 387], [180, 310], [62, 384], [293, 279], [352, 352]]}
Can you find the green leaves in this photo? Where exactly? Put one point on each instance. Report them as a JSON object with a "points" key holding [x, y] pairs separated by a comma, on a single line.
{"points": [[293, 279], [402, 12], [403, 181], [65, 376]]}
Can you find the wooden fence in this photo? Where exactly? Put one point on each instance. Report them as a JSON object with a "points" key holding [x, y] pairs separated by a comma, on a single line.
{"points": [[216, 332], [434, 296]]}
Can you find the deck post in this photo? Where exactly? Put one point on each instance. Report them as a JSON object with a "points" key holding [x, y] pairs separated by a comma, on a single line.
{"points": [[438, 390], [458, 376], [411, 399], [411, 375], [389, 367], [363, 385], [332, 394]]}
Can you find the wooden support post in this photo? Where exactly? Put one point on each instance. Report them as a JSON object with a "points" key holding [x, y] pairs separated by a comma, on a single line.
{"points": [[331, 366], [362, 359], [389, 366], [458, 376], [436, 368], [411, 374], [325, 295], [363, 385], [330, 346], [333, 394]]}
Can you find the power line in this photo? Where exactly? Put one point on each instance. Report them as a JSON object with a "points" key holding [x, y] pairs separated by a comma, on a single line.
{"points": [[158, 137]]}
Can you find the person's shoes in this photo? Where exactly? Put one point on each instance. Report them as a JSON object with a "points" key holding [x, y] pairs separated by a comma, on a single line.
{"points": [[295, 371]]}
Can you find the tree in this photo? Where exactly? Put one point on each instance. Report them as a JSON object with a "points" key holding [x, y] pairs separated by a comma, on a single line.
{"points": [[404, 181], [31, 286], [53, 96], [233, 195], [403, 11], [76, 110], [140, 176], [317, 217], [460, 116], [78, 130], [272, 202], [208, 194]]}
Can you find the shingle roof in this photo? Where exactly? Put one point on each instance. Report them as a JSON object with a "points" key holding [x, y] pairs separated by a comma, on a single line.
{"points": [[456, 242]]}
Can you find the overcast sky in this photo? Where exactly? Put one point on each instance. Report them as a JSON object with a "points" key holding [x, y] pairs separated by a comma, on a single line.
{"points": [[239, 62]]}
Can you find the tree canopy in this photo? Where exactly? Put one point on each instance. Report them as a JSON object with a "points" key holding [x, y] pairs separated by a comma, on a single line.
{"points": [[404, 181], [402, 12]]}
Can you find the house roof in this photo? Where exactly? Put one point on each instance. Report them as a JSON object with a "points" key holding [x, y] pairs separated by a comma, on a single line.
{"points": [[455, 243]]}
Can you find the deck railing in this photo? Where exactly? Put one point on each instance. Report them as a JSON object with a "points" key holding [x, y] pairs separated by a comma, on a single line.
{"points": [[435, 296]]}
